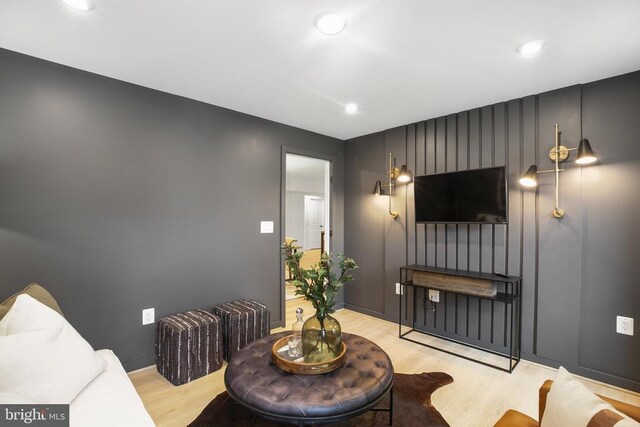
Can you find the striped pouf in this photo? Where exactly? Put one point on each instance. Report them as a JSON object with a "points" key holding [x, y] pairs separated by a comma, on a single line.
{"points": [[243, 321], [188, 346]]}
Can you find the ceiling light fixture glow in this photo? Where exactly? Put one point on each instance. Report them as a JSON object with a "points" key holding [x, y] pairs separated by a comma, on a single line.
{"points": [[81, 5], [530, 47], [351, 108], [330, 23]]}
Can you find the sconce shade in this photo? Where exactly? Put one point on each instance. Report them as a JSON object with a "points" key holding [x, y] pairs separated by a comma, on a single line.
{"points": [[530, 179], [377, 190], [405, 175], [585, 153]]}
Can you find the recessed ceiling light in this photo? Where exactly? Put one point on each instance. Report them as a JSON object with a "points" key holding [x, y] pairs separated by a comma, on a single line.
{"points": [[330, 23], [530, 47], [81, 5], [351, 108]]}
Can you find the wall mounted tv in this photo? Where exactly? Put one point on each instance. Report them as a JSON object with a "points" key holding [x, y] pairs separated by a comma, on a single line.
{"points": [[471, 196]]}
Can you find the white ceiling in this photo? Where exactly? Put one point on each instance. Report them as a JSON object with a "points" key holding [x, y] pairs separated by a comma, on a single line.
{"points": [[401, 61]]}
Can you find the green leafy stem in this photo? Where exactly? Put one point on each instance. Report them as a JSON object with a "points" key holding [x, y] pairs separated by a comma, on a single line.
{"points": [[318, 284]]}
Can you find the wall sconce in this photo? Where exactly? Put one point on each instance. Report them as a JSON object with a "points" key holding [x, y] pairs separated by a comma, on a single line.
{"points": [[558, 154], [402, 175]]}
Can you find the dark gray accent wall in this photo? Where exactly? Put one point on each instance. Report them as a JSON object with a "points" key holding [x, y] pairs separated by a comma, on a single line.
{"points": [[118, 198], [578, 272], [611, 228], [366, 217]]}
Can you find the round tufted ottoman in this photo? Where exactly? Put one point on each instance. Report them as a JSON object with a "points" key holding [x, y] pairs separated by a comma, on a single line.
{"points": [[256, 383]]}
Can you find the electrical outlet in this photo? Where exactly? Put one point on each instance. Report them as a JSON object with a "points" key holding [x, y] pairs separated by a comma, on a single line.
{"points": [[434, 296], [148, 316], [399, 289], [624, 325]]}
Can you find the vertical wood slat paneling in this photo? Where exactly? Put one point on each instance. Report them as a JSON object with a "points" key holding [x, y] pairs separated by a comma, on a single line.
{"points": [[462, 256], [430, 162], [500, 252], [441, 162], [486, 160], [500, 231], [474, 138], [486, 230], [463, 164], [410, 205], [514, 113], [474, 243], [451, 233], [421, 166], [483, 137]]}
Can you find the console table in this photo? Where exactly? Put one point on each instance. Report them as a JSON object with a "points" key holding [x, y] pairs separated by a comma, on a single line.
{"points": [[503, 333]]}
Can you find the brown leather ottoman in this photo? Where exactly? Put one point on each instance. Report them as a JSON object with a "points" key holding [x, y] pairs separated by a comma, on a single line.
{"points": [[254, 382]]}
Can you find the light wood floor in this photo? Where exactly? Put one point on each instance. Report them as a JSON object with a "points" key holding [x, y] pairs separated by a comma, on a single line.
{"points": [[478, 396]]}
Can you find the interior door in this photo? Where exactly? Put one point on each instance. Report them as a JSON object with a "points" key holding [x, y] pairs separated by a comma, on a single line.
{"points": [[313, 221]]}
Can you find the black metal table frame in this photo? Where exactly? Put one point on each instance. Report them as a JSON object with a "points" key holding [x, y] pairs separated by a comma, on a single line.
{"points": [[370, 406], [514, 297]]}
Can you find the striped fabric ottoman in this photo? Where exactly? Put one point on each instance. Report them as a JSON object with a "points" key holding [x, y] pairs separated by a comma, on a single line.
{"points": [[243, 321], [188, 346]]}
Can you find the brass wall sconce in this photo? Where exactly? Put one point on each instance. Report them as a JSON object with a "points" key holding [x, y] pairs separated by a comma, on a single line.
{"points": [[558, 154], [402, 175]]}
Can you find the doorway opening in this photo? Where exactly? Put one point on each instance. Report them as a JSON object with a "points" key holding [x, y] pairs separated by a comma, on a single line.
{"points": [[307, 212]]}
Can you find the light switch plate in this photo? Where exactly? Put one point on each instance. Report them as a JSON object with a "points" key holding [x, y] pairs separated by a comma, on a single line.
{"points": [[148, 316], [266, 227]]}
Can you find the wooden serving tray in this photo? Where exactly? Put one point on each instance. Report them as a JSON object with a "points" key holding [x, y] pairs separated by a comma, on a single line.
{"points": [[302, 368]]}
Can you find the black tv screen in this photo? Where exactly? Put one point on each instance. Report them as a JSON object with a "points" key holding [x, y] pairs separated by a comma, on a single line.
{"points": [[473, 196]]}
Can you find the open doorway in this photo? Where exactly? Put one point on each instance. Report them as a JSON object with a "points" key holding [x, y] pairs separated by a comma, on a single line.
{"points": [[307, 210]]}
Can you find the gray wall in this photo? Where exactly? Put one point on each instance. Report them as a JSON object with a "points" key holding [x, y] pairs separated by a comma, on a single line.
{"points": [[579, 272], [117, 198]]}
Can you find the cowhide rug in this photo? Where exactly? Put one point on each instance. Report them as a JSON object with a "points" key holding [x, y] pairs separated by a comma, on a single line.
{"points": [[411, 407]]}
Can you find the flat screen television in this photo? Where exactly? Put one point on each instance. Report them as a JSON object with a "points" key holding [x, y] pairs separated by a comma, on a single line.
{"points": [[472, 196]]}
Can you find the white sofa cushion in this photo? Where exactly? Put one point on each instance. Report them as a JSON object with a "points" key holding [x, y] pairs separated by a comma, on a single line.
{"points": [[14, 399], [42, 357], [109, 400], [571, 404]]}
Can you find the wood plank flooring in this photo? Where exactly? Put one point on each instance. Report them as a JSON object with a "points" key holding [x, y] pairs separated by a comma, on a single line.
{"points": [[478, 396]]}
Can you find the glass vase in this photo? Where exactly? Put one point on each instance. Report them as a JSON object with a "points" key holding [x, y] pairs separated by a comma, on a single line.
{"points": [[321, 339]]}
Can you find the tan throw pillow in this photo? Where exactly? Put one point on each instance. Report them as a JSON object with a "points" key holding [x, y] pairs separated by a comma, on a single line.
{"points": [[571, 404], [36, 292]]}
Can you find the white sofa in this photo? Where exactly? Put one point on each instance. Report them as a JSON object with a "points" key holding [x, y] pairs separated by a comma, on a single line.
{"points": [[109, 400], [44, 360]]}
